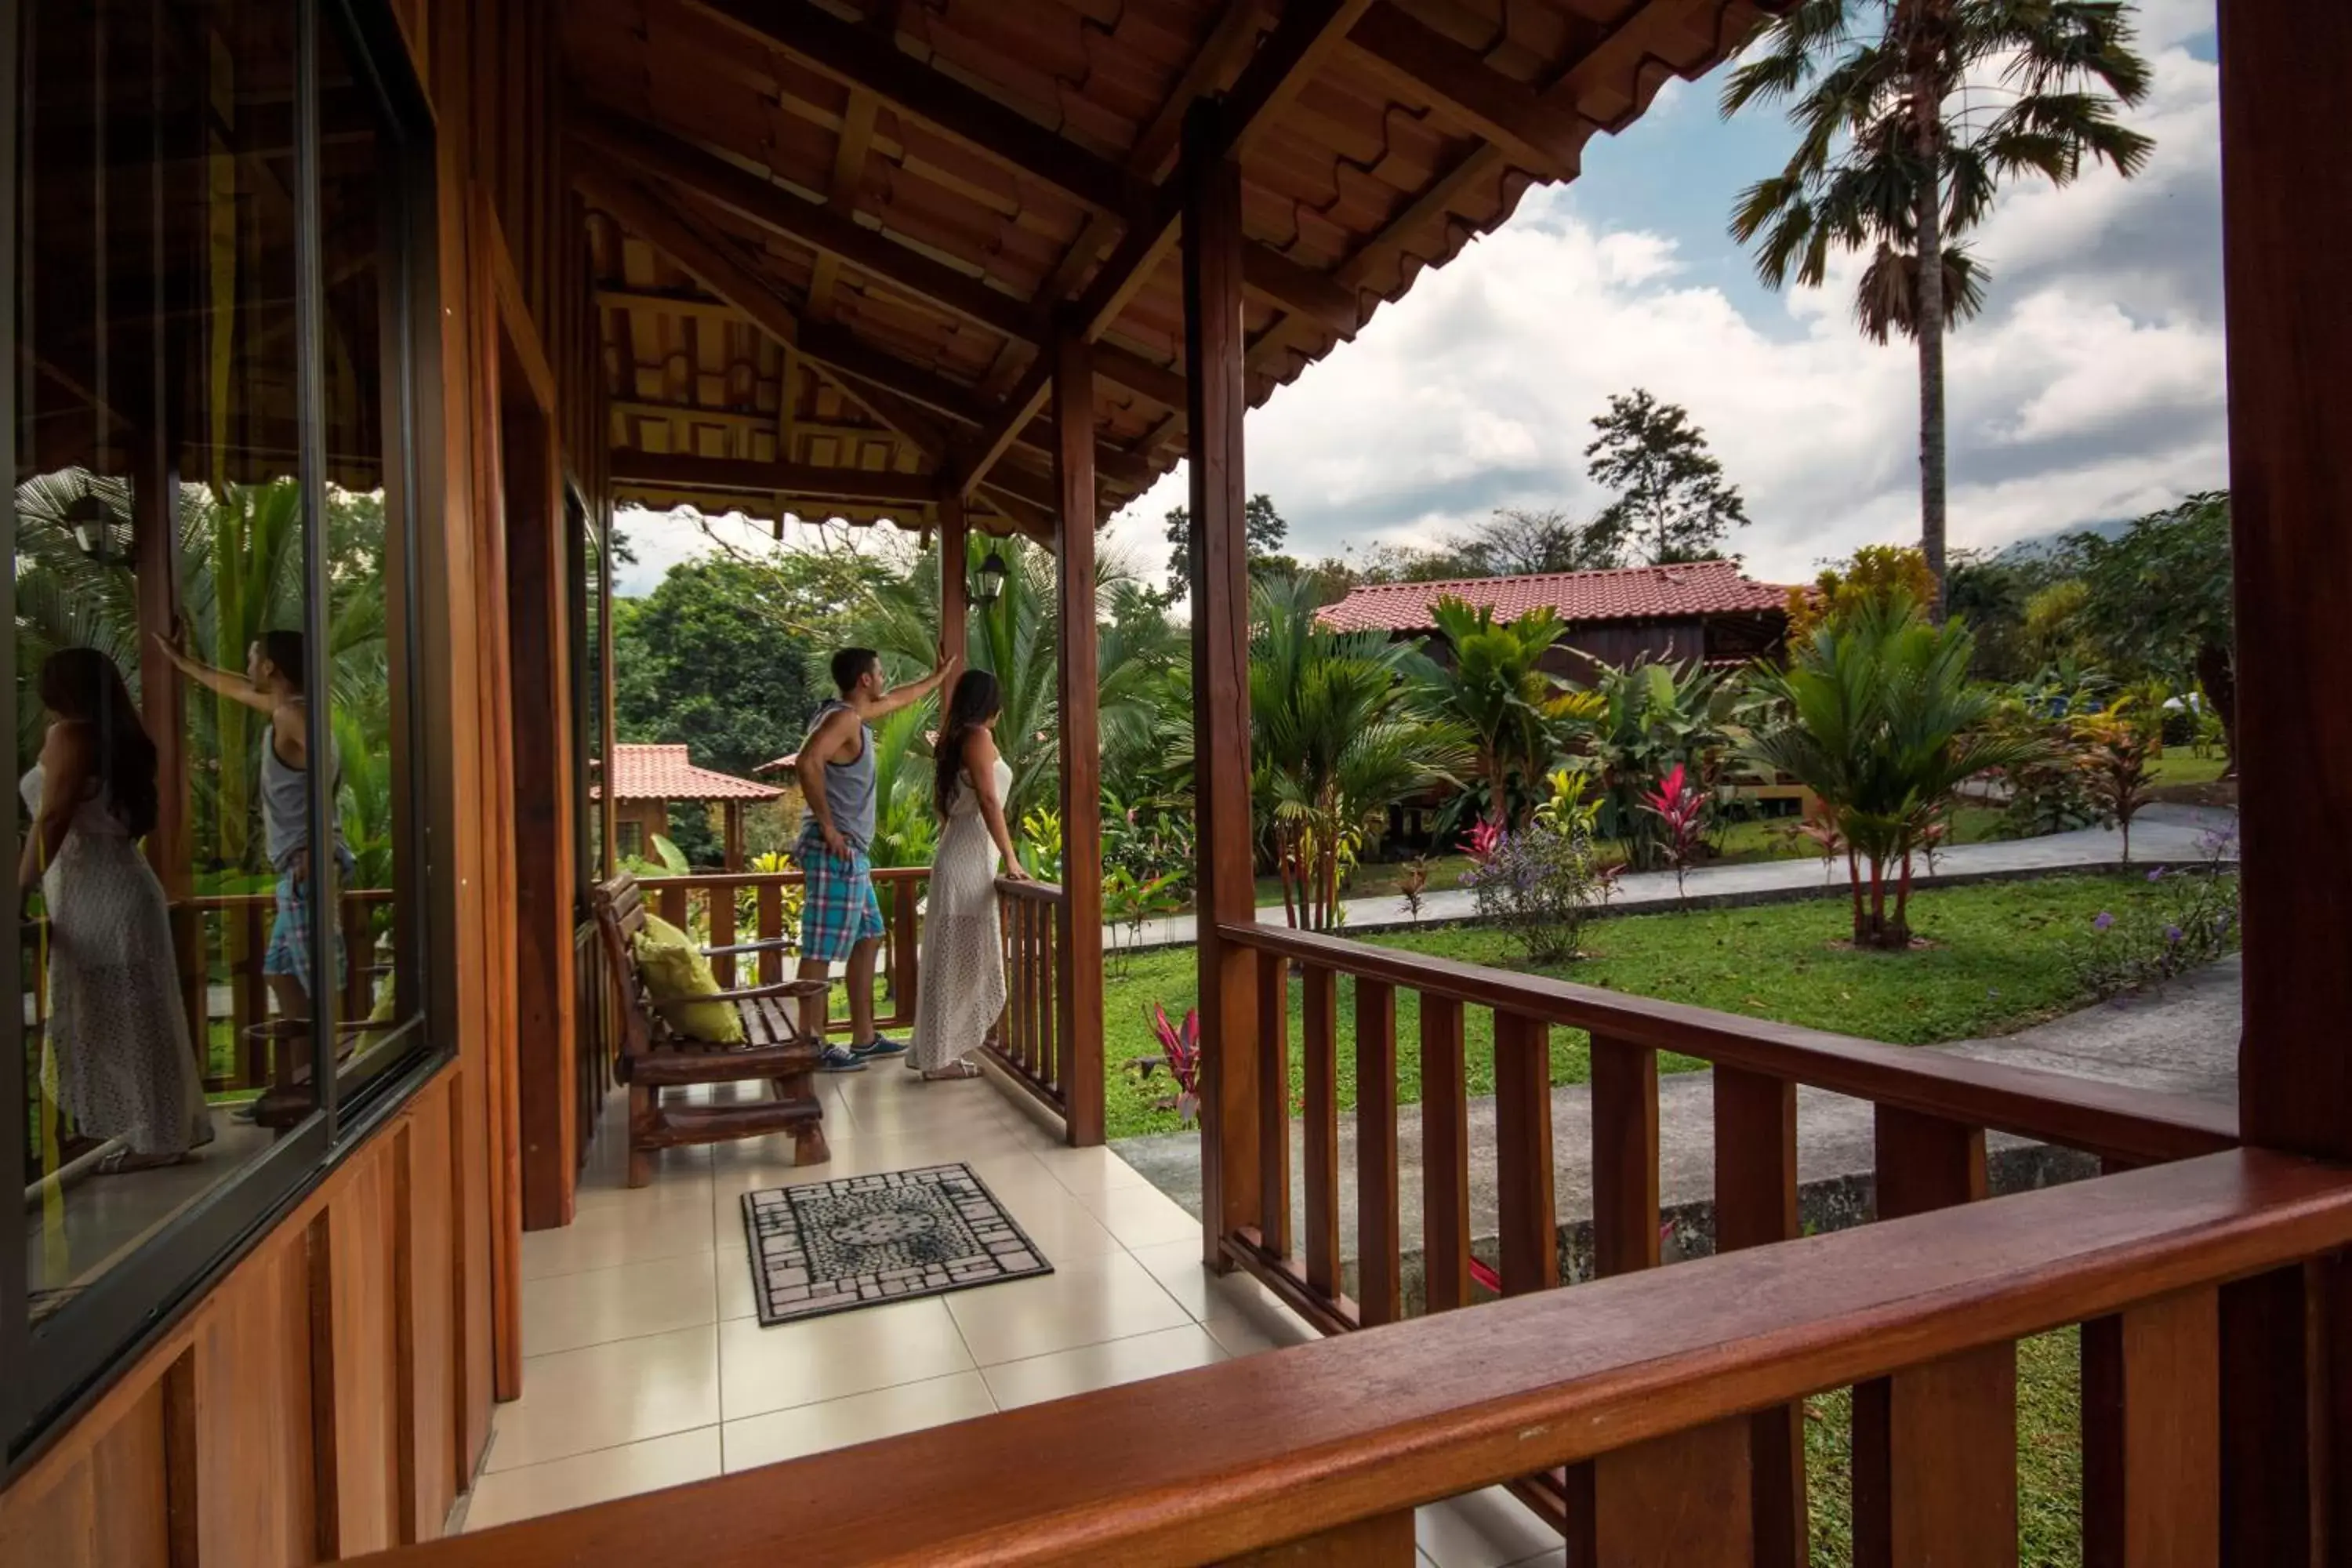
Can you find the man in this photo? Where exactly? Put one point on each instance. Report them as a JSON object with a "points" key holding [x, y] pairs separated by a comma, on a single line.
{"points": [[272, 684], [841, 921]]}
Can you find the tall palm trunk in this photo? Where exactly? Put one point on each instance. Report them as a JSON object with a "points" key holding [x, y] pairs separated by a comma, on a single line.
{"points": [[1924, 34]]}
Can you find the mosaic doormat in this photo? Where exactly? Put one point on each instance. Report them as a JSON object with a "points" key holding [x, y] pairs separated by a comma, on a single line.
{"points": [[833, 1247]]}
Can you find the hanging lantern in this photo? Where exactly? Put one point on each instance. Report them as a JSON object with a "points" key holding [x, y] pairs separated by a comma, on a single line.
{"points": [[93, 531], [990, 585]]}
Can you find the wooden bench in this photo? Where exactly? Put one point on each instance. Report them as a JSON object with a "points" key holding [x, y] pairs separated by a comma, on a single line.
{"points": [[654, 1057]]}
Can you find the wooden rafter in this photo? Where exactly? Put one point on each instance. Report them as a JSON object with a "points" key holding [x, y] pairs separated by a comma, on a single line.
{"points": [[1513, 115], [669, 471], [1309, 31]]}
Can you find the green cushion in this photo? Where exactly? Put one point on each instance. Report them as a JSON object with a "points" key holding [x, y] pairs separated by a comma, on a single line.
{"points": [[678, 978]]}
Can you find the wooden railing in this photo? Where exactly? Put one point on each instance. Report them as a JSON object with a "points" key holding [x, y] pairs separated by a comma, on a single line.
{"points": [[1029, 1043], [232, 937], [728, 908], [1657, 1390], [1932, 1111]]}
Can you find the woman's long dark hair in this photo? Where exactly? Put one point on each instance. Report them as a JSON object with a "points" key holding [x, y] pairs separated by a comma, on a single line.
{"points": [[974, 703], [81, 684]]}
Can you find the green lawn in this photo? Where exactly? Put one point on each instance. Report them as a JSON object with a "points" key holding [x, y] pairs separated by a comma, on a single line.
{"points": [[2177, 767], [1999, 963]]}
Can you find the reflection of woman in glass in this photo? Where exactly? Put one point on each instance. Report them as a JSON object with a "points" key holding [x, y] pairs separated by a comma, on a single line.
{"points": [[125, 1069]]}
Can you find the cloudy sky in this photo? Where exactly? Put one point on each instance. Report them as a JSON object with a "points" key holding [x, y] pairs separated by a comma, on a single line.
{"points": [[2091, 388]]}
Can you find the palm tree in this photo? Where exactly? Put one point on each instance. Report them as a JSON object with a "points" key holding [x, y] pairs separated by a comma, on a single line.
{"points": [[1878, 717], [1911, 113], [1018, 640], [1497, 690], [1338, 734]]}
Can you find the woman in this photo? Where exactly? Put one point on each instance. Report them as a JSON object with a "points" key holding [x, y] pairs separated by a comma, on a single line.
{"points": [[124, 1067], [963, 993]]}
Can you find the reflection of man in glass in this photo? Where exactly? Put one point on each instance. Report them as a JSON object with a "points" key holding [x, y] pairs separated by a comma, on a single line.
{"points": [[272, 684]]}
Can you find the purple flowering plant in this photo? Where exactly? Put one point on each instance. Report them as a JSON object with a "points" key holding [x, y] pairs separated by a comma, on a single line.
{"points": [[2190, 919]]}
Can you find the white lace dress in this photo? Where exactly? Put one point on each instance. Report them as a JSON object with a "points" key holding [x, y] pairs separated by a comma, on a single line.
{"points": [[117, 1057], [963, 989]]}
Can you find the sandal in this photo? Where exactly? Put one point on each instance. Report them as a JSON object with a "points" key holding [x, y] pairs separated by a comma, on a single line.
{"points": [[953, 1070], [123, 1162]]}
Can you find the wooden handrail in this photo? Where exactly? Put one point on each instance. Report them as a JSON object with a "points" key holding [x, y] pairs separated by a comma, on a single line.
{"points": [[1032, 891], [2109, 1120], [782, 879], [1200, 1465], [206, 902]]}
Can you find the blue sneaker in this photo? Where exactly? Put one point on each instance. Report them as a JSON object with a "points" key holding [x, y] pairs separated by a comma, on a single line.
{"points": [[840, 1058], [877, 1047]]}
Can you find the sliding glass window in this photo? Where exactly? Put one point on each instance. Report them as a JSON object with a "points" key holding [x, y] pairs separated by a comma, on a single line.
{"points": [[212, 566]]}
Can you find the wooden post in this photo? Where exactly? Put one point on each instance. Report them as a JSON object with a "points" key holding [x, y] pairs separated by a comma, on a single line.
{"points": [[1215, 398], [1077, 918], [732, 812], [2285, 217], [955, 582]]}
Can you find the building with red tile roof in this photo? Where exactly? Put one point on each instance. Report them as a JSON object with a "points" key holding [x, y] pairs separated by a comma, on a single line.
{"points": [[1704, 609], [645, 779]]}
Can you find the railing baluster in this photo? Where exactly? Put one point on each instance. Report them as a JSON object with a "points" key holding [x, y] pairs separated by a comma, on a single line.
{"points": [[251, 990], [1319, 1050], [906, 948], [672, 904], [1274, 1103], [1445, 1155], [1624, 1156], [1913, 1475], [2152, 1434], [1379, 1287], [722, 929], [1019, 972], [1049, 1000], [1666, 1503], [1937, 1481], [1531, 1232], [771, 918], [1756, 1205]]}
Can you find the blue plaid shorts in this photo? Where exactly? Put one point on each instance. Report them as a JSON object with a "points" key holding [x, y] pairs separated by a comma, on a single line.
{"points": [[289, 935], [839, 909]]}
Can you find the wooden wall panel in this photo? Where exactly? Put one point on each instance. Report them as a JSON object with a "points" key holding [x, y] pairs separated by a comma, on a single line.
{"points": [[72, 1518], [252, 1341], [426, 1266], [355, 1293]]}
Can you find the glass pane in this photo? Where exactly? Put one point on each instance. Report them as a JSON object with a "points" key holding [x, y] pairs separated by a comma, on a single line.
{"points": [[588, 696], [160, 611], [367, 529]]}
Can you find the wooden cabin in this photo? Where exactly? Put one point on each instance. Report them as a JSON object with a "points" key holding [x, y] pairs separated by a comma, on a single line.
{"points": [[354, 319], [647, 778], [1706, 611]]}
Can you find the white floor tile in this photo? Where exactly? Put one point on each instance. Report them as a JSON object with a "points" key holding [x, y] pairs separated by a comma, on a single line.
{"points": [[1032, 1381], [1092, 1170], [606, 1236], [860, 1418], [1142, 1217], [1083, 1301], [575, 1402], [504, 1495], [1489, 1529], [831, 1358], [567, 1311]]}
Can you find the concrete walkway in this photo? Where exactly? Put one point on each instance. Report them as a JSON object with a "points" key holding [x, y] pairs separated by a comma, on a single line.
{"points": [[2183, 1041], [2161, 835]]}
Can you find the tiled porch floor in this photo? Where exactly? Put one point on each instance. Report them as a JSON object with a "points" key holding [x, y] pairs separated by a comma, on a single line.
{"points": [[645, 1365]]}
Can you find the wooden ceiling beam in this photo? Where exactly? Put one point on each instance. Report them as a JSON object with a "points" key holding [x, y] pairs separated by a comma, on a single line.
{"points": [[1516, 117], [668, 470], [860, 57], [1301, 42]]}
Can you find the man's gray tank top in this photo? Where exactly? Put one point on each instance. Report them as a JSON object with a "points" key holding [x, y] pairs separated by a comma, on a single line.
{"points": [[286, 803], [848, 786]]}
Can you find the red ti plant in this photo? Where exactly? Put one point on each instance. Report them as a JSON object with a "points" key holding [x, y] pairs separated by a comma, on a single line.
{"points": [[1681, 804], [1485, 839], [1180, 1053]]}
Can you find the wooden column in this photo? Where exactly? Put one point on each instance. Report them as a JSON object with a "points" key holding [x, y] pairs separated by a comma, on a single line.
{"points": [[1215, 399], [1077, 919], [731, 813], [955, 579], [2287, 217]]}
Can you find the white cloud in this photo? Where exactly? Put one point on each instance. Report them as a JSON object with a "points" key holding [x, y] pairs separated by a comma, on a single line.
{"points": [[2093, 387]]}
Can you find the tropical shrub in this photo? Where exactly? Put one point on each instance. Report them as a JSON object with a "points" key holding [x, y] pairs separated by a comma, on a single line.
{"points": [[1179, 1053], [1883, 723], [1337, 736], [1041, 844], [1498, 692], [2117, 749], [1877, 571], [1127, 905], [2192, 921], [1650, 718], [1541, 884], [1680, 807]]}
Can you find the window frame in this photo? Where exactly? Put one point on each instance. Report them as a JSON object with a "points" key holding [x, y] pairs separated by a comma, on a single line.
{"points": [[139, 1298]]}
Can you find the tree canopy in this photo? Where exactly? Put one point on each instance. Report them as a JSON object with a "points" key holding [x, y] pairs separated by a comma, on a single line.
{"points": [[1671, 501], [707, 658], [1261, 523]]}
